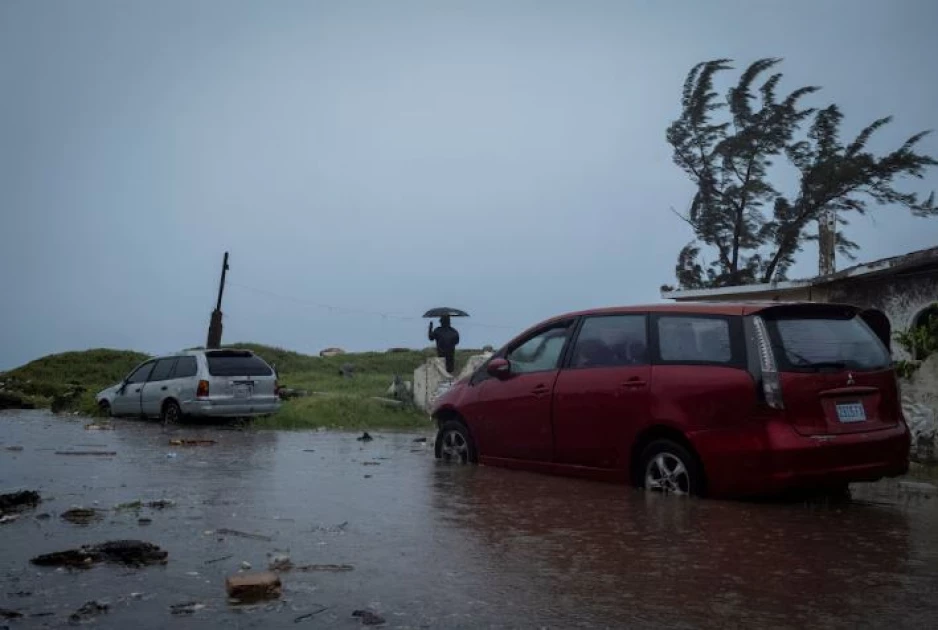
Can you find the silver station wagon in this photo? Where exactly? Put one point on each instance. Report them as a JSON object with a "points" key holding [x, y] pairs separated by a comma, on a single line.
{"points": [[197, 383]]}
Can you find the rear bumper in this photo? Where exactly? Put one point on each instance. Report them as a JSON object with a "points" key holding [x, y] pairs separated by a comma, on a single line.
{"points": [[770, 457], [210, 409]]}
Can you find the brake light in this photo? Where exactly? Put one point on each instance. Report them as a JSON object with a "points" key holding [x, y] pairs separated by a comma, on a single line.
{"points": [[771, 383], [202, 391]]}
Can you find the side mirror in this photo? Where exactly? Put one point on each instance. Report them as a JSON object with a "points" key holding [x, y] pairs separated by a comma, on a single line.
{"points": [[499, 368]]}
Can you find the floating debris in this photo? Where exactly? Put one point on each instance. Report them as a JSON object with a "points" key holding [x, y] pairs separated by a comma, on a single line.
{"points": [[186, 608], [81, 516], [126, 552], [254, 586], [95, 426], [6, 613], [15, 501], [245, 565], [280, 562], [143, 522], [365, 437], [8, 518], [14, 449], [369, 618], [233, 532], [421, 440], [334, 568], [223, 558], [309, 615], [88, 610], [102, 453], [188, 442]]}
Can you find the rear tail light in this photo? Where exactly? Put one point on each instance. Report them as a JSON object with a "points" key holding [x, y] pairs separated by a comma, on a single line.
{"points": [[202, 391], [771, 384]]}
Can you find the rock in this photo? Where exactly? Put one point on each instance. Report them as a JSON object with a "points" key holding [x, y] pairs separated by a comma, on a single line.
{"points": [[280, 562], [254, 586], [88, 610], [15, 501], [369, 618]]}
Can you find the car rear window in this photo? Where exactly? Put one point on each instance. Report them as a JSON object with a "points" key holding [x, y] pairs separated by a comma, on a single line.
{"points": [[831, 342], [236, 364]]}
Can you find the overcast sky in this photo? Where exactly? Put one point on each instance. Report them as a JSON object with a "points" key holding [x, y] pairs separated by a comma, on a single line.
{"points": [[507, 158]]}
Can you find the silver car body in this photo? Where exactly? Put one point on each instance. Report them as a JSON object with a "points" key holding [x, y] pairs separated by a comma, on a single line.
{"points": [[239, 384]]}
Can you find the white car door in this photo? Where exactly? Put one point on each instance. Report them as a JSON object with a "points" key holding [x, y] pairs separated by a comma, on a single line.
{"points": [[127, 400], [155, 390]]}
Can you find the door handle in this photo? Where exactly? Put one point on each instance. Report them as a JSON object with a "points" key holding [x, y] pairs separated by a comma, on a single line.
{"points": [[163, 388], [634, 382], [540, 390], [137, 391]]}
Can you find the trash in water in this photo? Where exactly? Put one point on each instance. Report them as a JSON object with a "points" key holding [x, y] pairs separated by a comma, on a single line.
{"points": [[253, 586], [420, 439], [88, 610], [245, 565], [170, 455], [15, 449], [186, 608], [233, 532], [161, 504], [214, 560], [280, 562], [369, 618], [335, 568], [104, 453], [81, 516], [188, 442], [309, 615], [127, 552], [365, 437], [6, 613], [8, 518], [94, 426], [15, 501], [144, 521], [371, 463]]}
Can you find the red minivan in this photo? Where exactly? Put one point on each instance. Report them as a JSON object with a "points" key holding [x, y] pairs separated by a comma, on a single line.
{"points": [[725, 399]]}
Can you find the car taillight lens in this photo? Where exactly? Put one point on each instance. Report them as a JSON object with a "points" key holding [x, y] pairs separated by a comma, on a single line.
{"points": [[202, 391], [771, 383]]}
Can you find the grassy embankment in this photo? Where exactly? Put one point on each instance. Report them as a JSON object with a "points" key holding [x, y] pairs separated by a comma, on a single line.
{"points": [[334, 401]]}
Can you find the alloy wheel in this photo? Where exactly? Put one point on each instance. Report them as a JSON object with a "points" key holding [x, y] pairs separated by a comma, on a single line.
{"points": [[666, 473]]}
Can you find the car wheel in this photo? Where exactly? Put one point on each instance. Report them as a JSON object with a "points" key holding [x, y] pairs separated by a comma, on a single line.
{"points": [[454, 444], [171, 413], [669, 468], [105, 408]]}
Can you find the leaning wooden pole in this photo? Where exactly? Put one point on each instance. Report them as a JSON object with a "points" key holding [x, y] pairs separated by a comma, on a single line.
{"points": [[215, 326]]}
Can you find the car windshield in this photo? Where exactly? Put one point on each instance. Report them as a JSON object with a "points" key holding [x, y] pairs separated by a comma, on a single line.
{"points": [[827, 342]]}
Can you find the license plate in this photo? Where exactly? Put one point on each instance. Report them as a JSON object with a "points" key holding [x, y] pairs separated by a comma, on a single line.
{"points": [[851, 412], [242, 391]]}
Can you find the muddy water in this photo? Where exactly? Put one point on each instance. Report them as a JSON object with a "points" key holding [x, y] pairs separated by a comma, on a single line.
{"points": [[441, 546]]}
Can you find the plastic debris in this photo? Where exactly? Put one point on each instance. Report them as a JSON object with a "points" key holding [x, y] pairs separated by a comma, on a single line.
{"points": [[254, 586]]}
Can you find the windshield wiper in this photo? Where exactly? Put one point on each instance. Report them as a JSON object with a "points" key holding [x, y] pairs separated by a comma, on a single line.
{"points": [[805, 362]]}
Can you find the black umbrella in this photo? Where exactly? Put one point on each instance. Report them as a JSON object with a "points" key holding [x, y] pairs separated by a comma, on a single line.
{"points": [[440, 311]]}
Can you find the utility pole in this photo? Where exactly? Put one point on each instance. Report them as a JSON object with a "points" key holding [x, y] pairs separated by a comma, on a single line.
{"points": [[214, 327], [827, 242]]}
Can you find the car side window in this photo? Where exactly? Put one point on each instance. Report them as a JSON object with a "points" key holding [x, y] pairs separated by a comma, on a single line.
{"points": [[689, 339], [141, 373], [611, 341], [540, 352], [185, 367], [162, 369]]}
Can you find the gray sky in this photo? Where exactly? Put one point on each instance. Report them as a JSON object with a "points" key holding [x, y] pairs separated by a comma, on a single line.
{"points": [[504, 157]]}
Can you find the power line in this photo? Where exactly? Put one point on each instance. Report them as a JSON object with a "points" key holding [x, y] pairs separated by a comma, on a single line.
{"points": [[332, 308]]}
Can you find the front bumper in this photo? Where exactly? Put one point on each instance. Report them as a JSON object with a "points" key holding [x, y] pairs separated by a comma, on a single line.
{"points": [[771, 457]]}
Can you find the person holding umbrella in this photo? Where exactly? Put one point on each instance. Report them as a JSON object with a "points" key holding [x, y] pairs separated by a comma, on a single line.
{"points": [[445, 336]]}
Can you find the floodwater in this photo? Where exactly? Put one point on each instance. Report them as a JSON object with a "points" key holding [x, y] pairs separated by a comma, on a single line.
{"points": [[440, 546]]}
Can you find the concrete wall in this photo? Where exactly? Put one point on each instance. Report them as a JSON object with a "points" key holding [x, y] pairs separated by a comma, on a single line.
{"points": [[901, 298]]}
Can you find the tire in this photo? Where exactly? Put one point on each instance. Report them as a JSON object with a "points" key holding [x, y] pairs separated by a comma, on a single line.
{"points": [[104, 407], [454, 444], [669, 468], [171, 413]]}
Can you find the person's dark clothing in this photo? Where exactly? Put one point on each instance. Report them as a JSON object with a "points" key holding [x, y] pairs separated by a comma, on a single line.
{"points": [[446, 338]]}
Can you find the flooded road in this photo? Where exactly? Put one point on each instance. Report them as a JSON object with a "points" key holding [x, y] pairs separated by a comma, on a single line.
{"points": [[437, 546]]}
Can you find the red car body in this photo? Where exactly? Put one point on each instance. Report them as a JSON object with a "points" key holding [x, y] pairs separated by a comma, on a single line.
{"points": [[756, 418]]}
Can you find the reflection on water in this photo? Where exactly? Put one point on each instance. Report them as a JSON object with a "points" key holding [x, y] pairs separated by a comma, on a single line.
{"points": [[598, 554]]}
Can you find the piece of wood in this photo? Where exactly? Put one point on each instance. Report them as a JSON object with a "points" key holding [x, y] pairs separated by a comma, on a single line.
{"points": [[254, 586]]}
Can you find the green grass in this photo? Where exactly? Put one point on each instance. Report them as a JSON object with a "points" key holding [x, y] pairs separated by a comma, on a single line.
{"points": [[335, 402]]}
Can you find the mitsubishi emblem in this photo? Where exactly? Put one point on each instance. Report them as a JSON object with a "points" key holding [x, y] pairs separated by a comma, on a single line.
{"points": [[850, 380]]}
